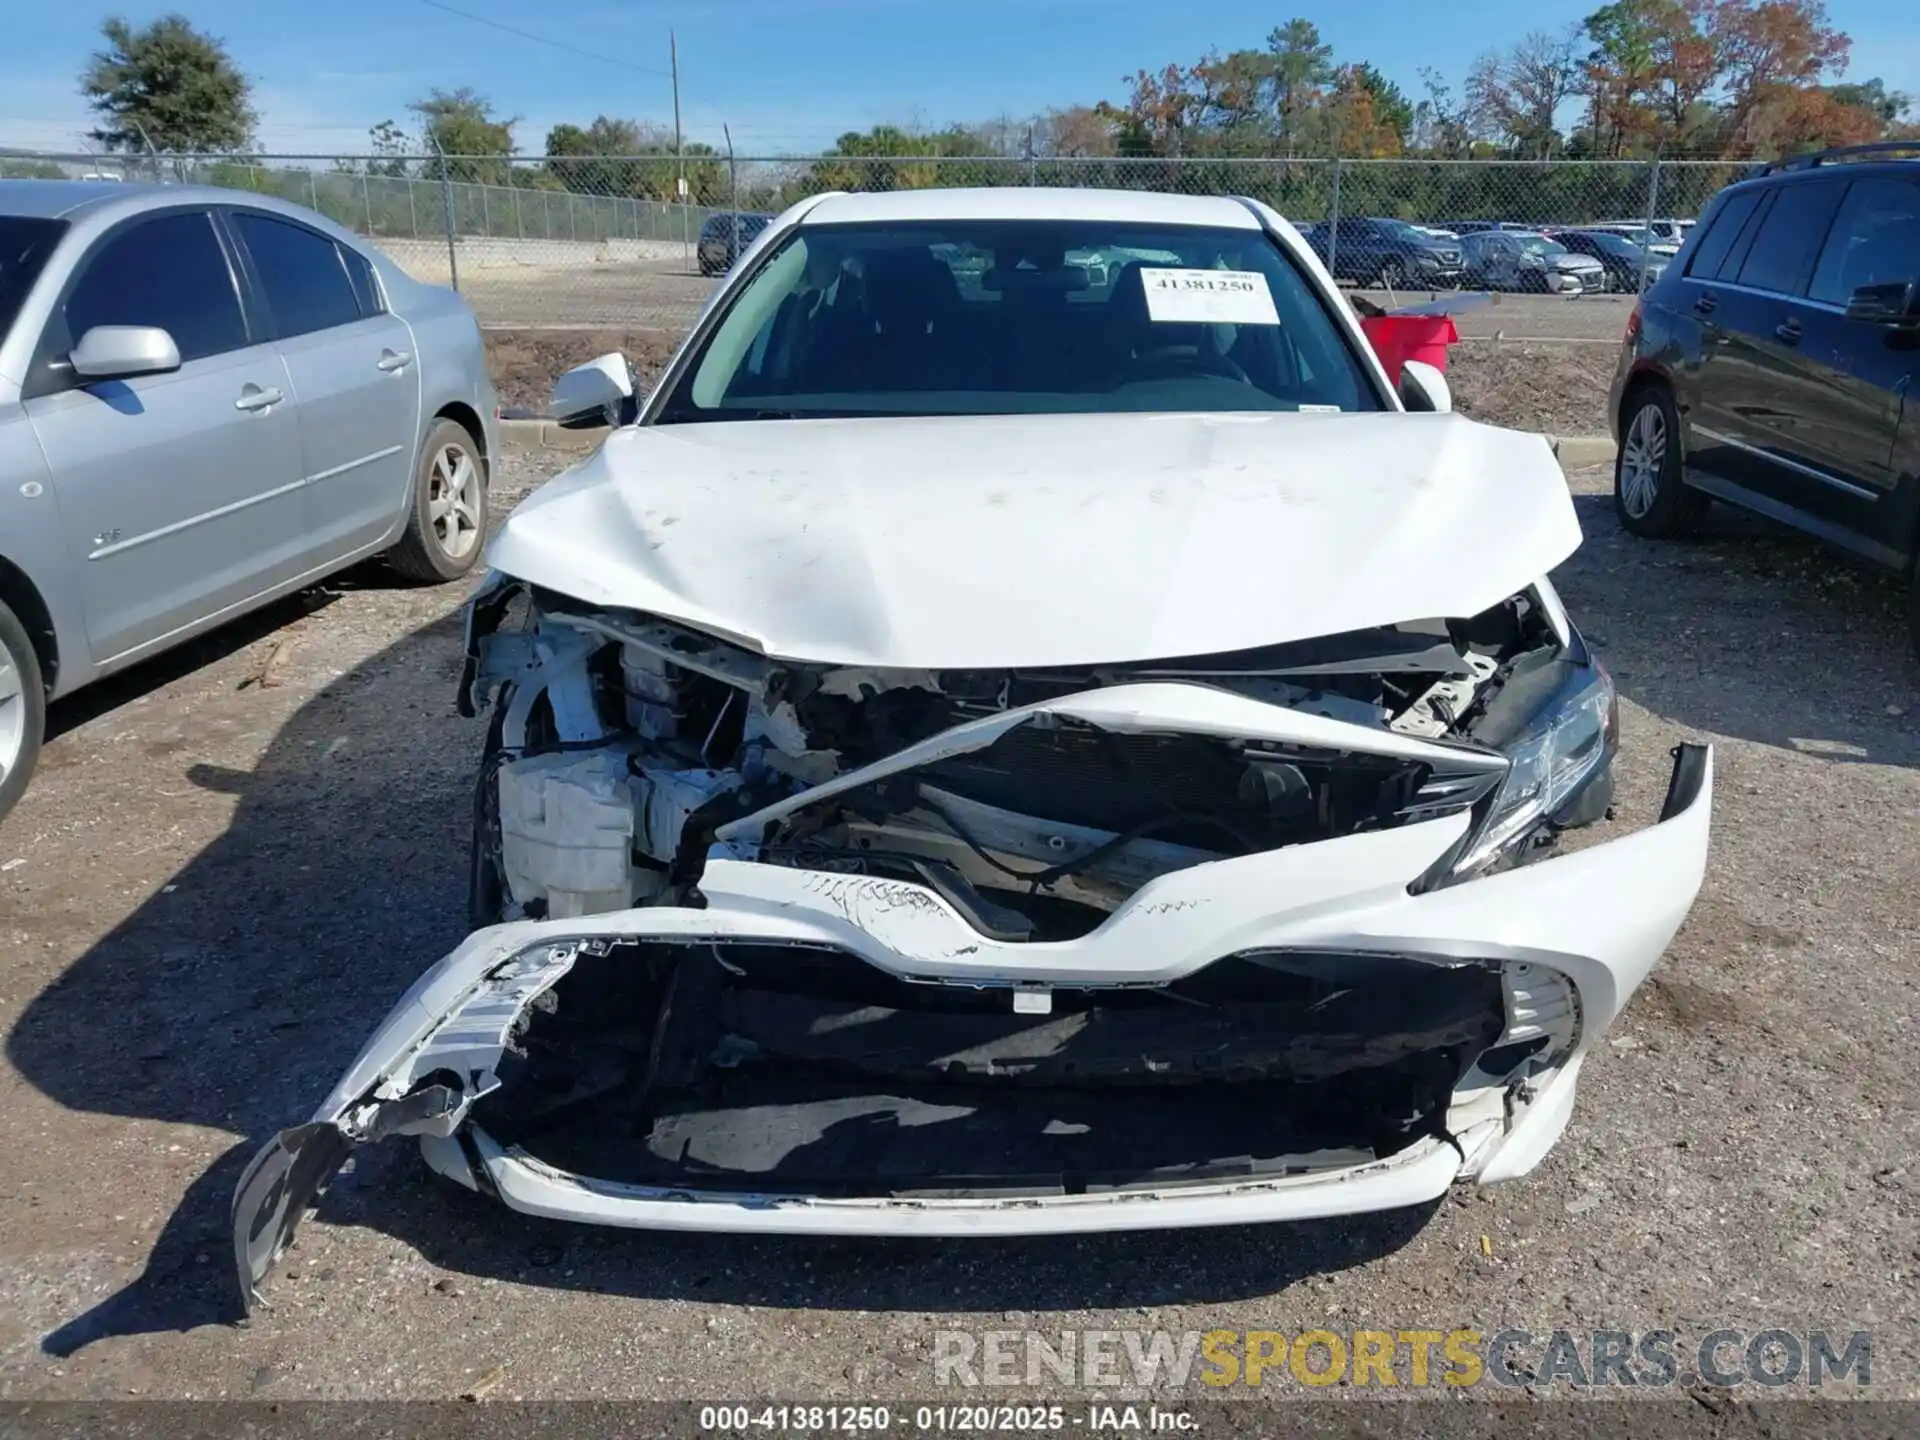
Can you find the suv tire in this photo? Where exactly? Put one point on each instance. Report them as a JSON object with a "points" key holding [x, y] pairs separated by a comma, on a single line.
{"points": [[1649, 495]]}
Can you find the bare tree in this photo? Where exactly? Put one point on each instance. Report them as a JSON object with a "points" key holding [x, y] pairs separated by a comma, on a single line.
{"points": [[1519, 95]]}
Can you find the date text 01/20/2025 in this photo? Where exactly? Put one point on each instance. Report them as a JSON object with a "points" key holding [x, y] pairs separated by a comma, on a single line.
{"points": [[941, 1419]]}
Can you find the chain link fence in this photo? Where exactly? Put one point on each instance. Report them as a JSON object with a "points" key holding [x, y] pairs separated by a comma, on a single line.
{"points": [[586, 242]]}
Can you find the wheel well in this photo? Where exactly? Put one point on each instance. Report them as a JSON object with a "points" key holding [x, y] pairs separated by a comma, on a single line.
{"points": [[1645, 380], [17, 591], [469, 420]]}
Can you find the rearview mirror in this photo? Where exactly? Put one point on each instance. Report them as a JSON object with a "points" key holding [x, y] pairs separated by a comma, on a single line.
{"points": [[1894, 303], [597, 393], [117, 352], [1423, 387]]}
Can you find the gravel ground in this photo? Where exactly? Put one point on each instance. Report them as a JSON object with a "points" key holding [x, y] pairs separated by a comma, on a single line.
{"points": [[1559, 388], [235, 858]]}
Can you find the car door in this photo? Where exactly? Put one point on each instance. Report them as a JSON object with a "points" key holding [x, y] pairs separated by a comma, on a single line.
{"points": [[1856, 374], [356, 380], [179, 492], [1717, 384], [1765, 383]]}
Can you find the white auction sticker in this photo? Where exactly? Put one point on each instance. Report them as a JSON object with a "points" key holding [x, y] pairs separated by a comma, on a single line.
{"points": [[1208, 297]]}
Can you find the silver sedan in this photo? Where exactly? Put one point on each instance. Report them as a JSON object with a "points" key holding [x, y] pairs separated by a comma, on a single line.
{"points": [[208, 399]]}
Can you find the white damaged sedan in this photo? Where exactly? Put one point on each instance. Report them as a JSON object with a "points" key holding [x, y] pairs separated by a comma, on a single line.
{"points": [[990, 747]]}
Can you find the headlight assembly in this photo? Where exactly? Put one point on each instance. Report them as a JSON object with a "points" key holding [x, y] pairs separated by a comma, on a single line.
{"points": [[1565, 745]]}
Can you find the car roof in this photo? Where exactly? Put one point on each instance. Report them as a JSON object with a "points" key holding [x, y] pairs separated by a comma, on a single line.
{"points": [[1131, 207], [56, 199]]}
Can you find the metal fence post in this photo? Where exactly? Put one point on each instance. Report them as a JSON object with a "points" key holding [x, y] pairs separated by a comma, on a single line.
{"points": [[413, 208], [1333, 221], [446, 203], [486, 213], [313, 190], [366, 198], [1653, 209]]}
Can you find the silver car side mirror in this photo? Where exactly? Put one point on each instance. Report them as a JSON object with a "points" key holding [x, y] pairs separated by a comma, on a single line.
{"points": [[599, 392], [116, 352]]}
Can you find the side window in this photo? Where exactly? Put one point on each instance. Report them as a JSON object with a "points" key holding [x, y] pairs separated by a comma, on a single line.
{"points": [[1875, 240], [366, 290], [171, 272], [1790, 236], [302, 273], [1717, 243]]}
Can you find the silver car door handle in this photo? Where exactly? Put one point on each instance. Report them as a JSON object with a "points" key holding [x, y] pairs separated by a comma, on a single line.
{"points": [[252, 397], [391, 360]]}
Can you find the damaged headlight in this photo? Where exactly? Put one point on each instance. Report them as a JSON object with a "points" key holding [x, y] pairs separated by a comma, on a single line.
{"points": [[1557, 754]]}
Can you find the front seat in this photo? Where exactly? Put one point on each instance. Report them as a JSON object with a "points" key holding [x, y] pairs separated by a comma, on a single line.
{"points": [[909, 293]]}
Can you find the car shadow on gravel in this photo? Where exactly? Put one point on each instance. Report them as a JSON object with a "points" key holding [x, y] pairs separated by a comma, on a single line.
{"points": [[1752, 631], [234, 998]]}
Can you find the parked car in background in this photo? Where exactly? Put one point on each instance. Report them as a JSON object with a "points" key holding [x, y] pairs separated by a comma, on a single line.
{"points": [[1380, 251], [724, 238], [1665, 231], [208, 399], [1639, 235], [1528, 260], [1773, 366], [1629, 267], [970, 760]]}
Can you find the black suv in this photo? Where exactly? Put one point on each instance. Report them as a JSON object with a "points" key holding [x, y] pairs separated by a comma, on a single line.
{"points": [[724, 238], [1372, 251], [1771, 364]]}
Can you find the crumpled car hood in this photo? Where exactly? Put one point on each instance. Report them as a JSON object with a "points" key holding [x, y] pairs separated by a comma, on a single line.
{"points": [[1017, 541]]}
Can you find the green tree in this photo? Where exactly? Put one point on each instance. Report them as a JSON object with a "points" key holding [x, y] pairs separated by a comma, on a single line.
{"points": [[1889, 107], [1302, 67], [468, 140], [168, 87], [1391, 107], [390, 149]]}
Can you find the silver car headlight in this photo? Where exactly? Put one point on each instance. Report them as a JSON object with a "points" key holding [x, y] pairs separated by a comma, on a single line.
{"points": [[1565, 744]]}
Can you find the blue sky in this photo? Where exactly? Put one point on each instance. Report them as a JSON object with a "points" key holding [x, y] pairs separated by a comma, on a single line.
{"points": [[784, 74]]}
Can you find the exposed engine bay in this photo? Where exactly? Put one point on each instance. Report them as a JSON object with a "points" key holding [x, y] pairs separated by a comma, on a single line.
{"points": [[629, 753], [625, 748]]}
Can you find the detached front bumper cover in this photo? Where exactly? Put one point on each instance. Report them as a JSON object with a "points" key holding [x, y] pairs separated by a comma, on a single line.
{"points": [[1579, 930]]}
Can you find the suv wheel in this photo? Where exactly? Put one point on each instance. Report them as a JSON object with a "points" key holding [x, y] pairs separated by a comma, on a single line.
{"points": [[1393, 275], [1649, 495]]}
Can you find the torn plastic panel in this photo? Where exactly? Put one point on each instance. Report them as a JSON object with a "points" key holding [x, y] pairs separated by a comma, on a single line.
{"points": [[1286, 977], [1038, 800]]}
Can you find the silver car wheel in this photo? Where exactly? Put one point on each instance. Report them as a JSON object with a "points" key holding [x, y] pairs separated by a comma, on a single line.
{"points": [[13, 715], [453, 501], [1642, 459]]}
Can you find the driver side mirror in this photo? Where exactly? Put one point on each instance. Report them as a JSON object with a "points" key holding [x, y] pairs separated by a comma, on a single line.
{"points": [[119, 352], [600, 392], [1895, 303]]}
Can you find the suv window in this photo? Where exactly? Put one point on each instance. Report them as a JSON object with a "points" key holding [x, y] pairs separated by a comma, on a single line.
{"points": [[301, 270], [1713, 248], [170, 271], [1790, 236], [1875, 240]]}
